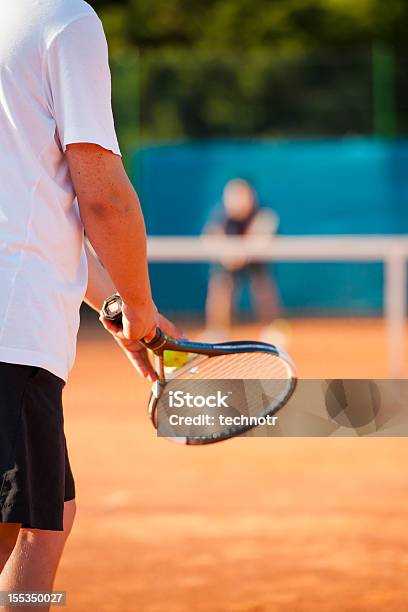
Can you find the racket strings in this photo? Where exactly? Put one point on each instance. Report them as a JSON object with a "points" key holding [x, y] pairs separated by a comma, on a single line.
{"points": [[249, 385], [257, 382], [239, 366], [247, 399]]}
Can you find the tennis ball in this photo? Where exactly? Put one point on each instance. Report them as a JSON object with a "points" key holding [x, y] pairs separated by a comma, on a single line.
{"points": [[175, 359]]}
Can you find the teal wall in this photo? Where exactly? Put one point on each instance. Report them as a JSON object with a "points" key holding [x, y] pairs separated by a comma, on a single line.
{"points": [[344, 186]]}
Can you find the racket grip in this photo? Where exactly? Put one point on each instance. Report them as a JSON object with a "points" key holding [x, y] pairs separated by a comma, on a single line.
{"points": [[112, 311]]}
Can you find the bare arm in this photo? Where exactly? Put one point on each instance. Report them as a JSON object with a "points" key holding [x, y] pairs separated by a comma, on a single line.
{"points": [[100, 285], [114, 224]]}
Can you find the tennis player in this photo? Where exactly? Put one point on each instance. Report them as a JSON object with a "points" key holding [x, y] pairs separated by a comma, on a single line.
{"points": [[240, 215], [57, 141]]}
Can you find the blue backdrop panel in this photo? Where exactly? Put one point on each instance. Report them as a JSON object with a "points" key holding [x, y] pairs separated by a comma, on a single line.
{"points": [[347, 186]]}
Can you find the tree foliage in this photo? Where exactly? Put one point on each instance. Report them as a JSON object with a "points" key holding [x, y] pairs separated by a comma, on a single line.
{"points": [[242, 68], [244, 24]]}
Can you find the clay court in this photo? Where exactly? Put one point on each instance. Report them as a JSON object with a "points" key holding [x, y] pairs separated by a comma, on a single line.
{"points": [[248, 525]]}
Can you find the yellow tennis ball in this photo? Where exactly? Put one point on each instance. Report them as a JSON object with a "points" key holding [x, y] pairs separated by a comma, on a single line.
{"points": [[175, 359]]}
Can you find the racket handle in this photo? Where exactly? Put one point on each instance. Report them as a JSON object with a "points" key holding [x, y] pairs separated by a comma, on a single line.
{"points": [[112, 311]]}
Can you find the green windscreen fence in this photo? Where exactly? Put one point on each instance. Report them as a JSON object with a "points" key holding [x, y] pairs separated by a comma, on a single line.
{"points": [[322, 186]]}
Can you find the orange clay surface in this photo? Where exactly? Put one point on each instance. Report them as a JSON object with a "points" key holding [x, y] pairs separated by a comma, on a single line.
{"points": [[247, 525]]}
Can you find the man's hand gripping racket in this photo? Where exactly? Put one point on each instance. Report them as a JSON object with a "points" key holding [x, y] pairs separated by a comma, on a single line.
{"points": [[234, 361]]}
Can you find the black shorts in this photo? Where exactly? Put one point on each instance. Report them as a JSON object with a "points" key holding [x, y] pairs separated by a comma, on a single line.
{"points": [[35, 475]]}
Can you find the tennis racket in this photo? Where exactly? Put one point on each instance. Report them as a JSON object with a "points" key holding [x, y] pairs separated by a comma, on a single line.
{"points": [[252, 380]]}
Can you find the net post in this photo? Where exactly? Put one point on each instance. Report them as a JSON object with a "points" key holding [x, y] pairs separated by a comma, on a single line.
{"points": [[395, 311]]}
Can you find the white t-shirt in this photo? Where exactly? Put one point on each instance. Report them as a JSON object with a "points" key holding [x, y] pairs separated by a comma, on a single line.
{"points": [[54, 90]]}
